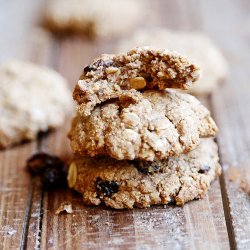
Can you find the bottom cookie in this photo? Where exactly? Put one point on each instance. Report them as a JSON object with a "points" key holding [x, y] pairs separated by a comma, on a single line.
{"points": [[128, 184]]}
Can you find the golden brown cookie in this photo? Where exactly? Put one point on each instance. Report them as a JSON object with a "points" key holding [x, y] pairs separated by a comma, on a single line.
{"points": [[141, 68], [128, 184], [160, 124]]}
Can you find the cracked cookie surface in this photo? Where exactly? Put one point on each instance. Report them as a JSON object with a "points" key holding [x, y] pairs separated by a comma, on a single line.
{"points": [[121, 184], [32, 99], [195, 45], [142, 68], [93, 18], [159, 125]]}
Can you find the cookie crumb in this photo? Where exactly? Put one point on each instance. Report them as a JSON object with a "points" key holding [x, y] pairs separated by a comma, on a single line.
{"points": [[245, 186], [65, 206], [233, 174], [238, 176]]}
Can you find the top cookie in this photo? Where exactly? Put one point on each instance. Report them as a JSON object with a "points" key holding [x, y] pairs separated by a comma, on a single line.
{"points": [[32, 99], [159, 125], [141, 68], [196, 45], [94, 18]]}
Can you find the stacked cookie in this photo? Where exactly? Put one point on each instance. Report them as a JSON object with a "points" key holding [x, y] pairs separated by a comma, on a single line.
{"points": [[136, 142]]}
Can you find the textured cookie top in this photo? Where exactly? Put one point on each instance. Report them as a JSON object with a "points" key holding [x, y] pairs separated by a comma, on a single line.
{"points": [[158, 125], [195, 45], [94, 18], [141, 68], [32, 99], [121, 184]]}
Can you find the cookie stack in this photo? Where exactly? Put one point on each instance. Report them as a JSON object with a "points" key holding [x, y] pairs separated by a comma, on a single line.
{"points": [[136, 141]]}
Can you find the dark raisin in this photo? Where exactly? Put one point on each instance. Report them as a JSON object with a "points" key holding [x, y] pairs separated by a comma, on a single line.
{"points": [[106, 188], [53, 178], [50, 168], [87, 69], [147, 77], [204, 169], [97, 64], [146, 167], [106, 63], [40, 161]]}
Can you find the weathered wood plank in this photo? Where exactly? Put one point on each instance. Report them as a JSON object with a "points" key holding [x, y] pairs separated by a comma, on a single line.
{"points": [[231, 104], [15, 195], [43, 51], [16, 190]]}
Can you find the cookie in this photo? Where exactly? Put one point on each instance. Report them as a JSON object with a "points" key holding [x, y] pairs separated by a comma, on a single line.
{"points": [[196, 45], [141, 68], [122, 184], [94, 18], [159, 125], [32, 99]]}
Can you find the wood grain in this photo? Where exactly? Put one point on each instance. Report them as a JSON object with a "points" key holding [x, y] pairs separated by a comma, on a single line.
{"points": [[16, 188], [15, 195], [231, 107]]}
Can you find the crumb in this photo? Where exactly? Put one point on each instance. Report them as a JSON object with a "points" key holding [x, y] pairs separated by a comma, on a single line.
{"points": [[237, 175], [233, 174], [245, 186], [65, 206]]}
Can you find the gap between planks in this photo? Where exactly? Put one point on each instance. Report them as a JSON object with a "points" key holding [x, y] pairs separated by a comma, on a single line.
{"points": [[223, 189], [44, 52]]}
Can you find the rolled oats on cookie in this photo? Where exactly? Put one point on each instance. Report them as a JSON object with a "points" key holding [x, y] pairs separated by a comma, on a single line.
{"points": [[161, 124]]}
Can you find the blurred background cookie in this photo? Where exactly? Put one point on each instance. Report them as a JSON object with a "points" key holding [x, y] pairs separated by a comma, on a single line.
{"points": [[93, 18], [32, 99], [196, 45]]}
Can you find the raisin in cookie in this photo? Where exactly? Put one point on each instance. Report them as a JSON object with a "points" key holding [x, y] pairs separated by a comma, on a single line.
{"points": [[197, 46], [93, 18], [159, 125], [141, 68], [123, 184], [32, 99]]}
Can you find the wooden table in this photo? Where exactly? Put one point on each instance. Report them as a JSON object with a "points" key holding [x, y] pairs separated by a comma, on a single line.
{"points": [[219, 221]]}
